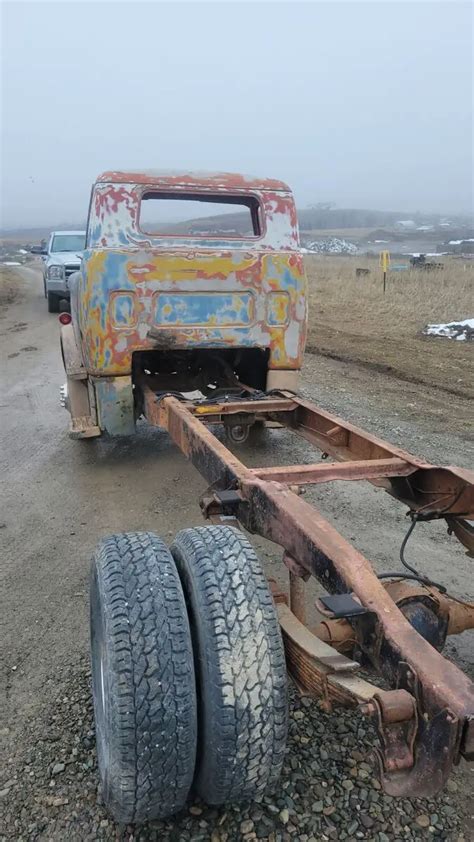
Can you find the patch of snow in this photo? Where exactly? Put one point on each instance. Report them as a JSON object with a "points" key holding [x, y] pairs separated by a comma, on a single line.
{"points": [[426, 253], [10, 263], [381, 241], [458, 242], [462, 330], [331, 245], [22, 251]]}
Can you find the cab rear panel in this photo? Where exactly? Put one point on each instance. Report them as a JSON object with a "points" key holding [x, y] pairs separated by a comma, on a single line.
{"points": [[140, 291], [186, 299], [195, 290]]}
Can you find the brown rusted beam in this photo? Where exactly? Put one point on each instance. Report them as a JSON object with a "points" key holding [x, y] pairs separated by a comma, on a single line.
{"points": [[256, 407], [342, 439], [288, 520], [444, 694], [429, 489], [356, 470], [214, 461], [274, 512]]}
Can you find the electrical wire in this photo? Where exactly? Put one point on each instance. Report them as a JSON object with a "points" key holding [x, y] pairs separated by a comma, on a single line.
{"points": [[414, 574]]}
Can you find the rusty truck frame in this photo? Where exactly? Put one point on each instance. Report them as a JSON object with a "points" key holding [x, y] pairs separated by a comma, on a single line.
{"points": [[202, 324], [425, 721]]}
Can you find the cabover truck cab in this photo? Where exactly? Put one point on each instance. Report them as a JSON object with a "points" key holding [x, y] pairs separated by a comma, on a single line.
{"points": [[188, 280]]}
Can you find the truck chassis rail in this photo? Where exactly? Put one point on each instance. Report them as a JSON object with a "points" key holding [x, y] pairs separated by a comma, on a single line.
{"points": [[426, 720]]}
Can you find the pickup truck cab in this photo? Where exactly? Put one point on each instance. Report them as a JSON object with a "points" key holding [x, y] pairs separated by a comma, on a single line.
{"points": [[62, 257], [188, 281]]}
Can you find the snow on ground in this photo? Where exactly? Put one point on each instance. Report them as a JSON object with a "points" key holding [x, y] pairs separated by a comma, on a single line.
{"points": [[10, 263], [462, 330], [330, 245]]}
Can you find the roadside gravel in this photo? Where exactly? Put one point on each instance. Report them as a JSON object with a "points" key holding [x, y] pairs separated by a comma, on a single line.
{"points": [[327, 791]]}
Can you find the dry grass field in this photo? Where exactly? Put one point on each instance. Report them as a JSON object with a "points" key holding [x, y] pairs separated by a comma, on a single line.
{"points": [[351, 319]]}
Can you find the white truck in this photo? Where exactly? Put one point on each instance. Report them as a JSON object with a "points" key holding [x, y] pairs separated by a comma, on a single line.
{"points": [[62, 256]]}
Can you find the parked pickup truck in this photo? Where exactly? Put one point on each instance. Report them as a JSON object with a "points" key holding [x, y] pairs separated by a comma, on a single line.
{"points": [[183, 305], [62, 257]]}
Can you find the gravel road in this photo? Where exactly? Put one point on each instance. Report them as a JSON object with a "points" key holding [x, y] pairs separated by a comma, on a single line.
{"points": [[59, 496]]}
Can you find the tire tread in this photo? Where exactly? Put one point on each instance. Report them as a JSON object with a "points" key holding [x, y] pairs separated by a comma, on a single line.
{"points": [[153, 731], [243, 680]]}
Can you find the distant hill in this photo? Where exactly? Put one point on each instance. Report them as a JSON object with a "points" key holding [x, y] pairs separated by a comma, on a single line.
{"points": [[310, 219]]}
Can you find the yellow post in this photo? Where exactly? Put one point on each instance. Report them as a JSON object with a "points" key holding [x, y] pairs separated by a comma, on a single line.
{"points": [[385, 264]]}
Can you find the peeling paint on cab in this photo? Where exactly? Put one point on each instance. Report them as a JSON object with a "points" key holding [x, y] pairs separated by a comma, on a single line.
{"points": [[193, 292]]}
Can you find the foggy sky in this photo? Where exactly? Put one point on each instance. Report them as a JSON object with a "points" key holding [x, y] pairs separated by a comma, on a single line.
{"points": [[362, 104]]}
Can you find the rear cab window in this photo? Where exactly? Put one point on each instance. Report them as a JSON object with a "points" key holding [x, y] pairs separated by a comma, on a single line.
{"points": [[194, 214]]}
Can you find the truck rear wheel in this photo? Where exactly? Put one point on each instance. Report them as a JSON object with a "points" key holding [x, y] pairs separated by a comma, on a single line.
{"points": [[143, 678], [53, 303], [239, 661]]}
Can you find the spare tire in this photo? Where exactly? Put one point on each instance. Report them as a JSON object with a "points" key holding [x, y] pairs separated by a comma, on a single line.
{"points": [[142, 677], [239, 663]]}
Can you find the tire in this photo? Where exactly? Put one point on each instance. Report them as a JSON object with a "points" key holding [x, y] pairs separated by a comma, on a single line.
{"points": [[64, 305], [143, 678], [53, 303], [239, 662]]}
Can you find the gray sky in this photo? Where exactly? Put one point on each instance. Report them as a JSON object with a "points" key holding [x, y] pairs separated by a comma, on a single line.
{"points": [[362, 104]]}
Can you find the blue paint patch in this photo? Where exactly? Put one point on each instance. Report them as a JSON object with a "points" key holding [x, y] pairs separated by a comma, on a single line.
{"points": [[122, 310], [114, 398], [209, 309]]}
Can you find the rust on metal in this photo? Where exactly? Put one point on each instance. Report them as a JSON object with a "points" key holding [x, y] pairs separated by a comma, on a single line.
{"points": [[311, 661], [263, 502], [464, 532], [397, 721], [328, 472], [459, 614], [298, 597], [267, 407], [429, 489]]}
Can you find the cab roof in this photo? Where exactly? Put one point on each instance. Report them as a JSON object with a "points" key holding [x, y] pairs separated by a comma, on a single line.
{"points": [[206, 180], [68, 233]]}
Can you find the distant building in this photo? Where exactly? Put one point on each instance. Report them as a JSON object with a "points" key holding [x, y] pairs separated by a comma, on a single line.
{"points": [[406, 224]]}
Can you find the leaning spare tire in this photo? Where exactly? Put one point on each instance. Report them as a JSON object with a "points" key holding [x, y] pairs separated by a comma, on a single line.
{"points": [[143, 678], [240, 664]]}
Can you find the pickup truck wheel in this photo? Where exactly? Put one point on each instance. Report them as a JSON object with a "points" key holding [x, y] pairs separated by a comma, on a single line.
{"points": [[53, 303], [239, 662], [142, 678]]}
